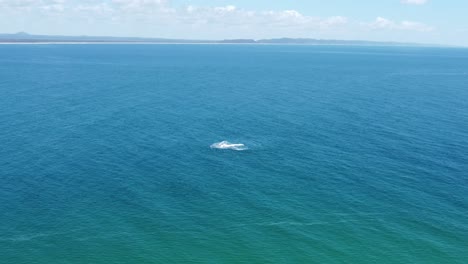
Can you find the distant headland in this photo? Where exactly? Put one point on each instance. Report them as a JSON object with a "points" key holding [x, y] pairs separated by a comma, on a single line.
{"points": [[22, 37]]}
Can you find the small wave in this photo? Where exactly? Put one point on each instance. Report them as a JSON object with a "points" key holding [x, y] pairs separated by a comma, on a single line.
{"points": [[29, 237], [309, 223], [228, 145]]}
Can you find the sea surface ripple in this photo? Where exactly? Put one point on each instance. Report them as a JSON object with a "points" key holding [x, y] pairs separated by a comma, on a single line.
{"points": [[355, 154]]}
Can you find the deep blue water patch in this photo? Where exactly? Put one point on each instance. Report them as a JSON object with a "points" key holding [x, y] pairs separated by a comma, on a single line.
{"points": [[355, 154]]}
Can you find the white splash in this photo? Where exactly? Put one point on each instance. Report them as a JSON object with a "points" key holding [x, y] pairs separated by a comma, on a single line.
{"points": [[228, 145]]}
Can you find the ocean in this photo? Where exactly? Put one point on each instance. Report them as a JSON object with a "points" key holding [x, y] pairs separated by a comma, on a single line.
{"points": [[233, 154]]}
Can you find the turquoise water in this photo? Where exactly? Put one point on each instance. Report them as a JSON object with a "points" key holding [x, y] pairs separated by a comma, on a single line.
{"points": [[351, 154]]}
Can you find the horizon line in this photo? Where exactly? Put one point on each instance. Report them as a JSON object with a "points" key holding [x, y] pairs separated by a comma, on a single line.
{"points": [[27, 38]]}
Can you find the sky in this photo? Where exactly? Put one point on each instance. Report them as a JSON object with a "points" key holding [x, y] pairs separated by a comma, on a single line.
{"points": [[421, 21]]}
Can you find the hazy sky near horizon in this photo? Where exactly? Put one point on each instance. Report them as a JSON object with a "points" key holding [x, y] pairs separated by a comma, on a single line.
{"points": [[424, 21]]}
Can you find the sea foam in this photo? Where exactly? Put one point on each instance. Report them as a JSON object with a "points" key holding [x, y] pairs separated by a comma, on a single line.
{"points": [[228, 145]]}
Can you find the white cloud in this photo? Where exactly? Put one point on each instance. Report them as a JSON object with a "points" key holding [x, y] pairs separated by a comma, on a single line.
{"points": [[225, 9], [102, 8], [53, 8], [383, 23], [233, 16], [29, 3], [20, 6], [17, 2], [414, 2], [143, 6], [133, 12], [160, 18]]}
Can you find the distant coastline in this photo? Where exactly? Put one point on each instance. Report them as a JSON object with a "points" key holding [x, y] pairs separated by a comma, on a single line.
{"points": [[25, 38]]}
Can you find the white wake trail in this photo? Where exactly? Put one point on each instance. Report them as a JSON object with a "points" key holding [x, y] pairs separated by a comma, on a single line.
{"points": [[229, 145]]}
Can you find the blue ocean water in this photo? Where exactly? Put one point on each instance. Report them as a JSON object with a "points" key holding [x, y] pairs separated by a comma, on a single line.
{"points": [[352, 154]]}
